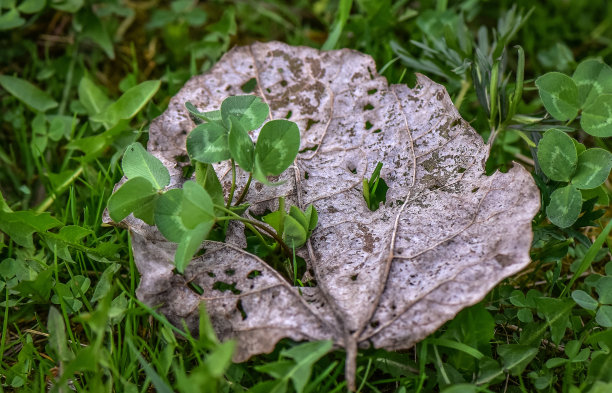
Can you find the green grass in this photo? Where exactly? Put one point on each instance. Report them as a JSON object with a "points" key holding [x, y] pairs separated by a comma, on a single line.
{"points": [[68, 309]]}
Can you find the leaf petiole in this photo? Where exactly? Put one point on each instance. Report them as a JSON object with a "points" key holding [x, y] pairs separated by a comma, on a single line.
{"points": [[233, 187], [245, 190]]}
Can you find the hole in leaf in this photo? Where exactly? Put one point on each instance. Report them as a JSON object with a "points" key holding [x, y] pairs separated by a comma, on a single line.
{"points": [[268, 90], [182, 158], [310, 123], [376, 131], [354, 277], [352, 167], [228, 88], [368, 125], [372, 91], [306, 176], [195, 287], [368, 107], [475, 189], [461, 170], [230, 272], [241, 309], [375, 324], [254, 273], [289, 115], [211, 274], [223, 286], [313, 148], [283, 83], [249, 86]]}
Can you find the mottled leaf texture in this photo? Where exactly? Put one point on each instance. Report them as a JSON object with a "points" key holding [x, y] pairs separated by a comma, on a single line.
{"points": [[446, 235]]}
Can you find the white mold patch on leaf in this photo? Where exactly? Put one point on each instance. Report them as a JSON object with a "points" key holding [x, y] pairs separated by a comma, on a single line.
{"points": [[445, 237]]}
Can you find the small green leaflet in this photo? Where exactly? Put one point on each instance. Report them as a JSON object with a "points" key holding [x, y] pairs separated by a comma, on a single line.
{"points": [[131, 196], [298, 225], [564, 207], [92, 97], [190, 244], [593, 78], [197, 205], [240, 145], [200, 117], [250, 110], [185, 216], [128, 105], [557, 155], [589, 90], [138, 162], [208, 143], [375, 190], [27, 93], [20, 225], [559, 95], [277, 146], [597, 117], [207, 177], [593, 168], [167, 216], [298, 370]]}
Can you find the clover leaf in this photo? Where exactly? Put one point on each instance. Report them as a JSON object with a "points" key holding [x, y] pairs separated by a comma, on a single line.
{"points": [[277, 146], [208, 143], [250, 111], [588, 92]]}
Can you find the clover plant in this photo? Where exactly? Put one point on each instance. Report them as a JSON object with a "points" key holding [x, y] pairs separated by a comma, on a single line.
{"points": [[580, 172], [190, 214]]}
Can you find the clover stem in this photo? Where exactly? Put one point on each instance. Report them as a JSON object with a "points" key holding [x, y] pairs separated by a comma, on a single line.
{"points": [[281, 209], [251, 227], [245, 190], [274, 235], [233, 187]]}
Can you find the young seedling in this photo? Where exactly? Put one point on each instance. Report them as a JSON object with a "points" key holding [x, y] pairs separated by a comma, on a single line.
{"points": [[188, 215], [375, 189]]}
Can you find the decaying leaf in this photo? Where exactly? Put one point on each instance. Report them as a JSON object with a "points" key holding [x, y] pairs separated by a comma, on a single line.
{"points": [[446, 235]]}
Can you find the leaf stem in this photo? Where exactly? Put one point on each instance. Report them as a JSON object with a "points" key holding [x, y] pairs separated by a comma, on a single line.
{"points": [[245, 190], [233, 187], [252, 224]]}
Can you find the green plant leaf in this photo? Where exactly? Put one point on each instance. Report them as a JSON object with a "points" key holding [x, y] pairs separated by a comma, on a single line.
{"points": [[31, 6], [190, 244], [20, 225], [197, 205], [207, 177], [557, 155], [129, 104], [27, 93], [294, 233], [312, 216], [516, 357], [57, 335], [557, 313], [277, 146], [167, 215], [597, 192], [240, 145], [138, 162], [559, 95], [604, 316], [250, 110], [564, 207], [39, 134], [597, 118], [604, 289], [132, 195], [200, 117], [92, 97], [593, 168], [593, 78], [584, 300], [208, 143]]}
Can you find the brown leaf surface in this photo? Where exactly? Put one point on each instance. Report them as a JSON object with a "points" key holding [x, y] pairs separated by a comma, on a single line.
{"points": [[446, 236]]}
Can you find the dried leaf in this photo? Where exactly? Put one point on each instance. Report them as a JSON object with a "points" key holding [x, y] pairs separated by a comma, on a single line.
{"points": [[446, 235]]}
